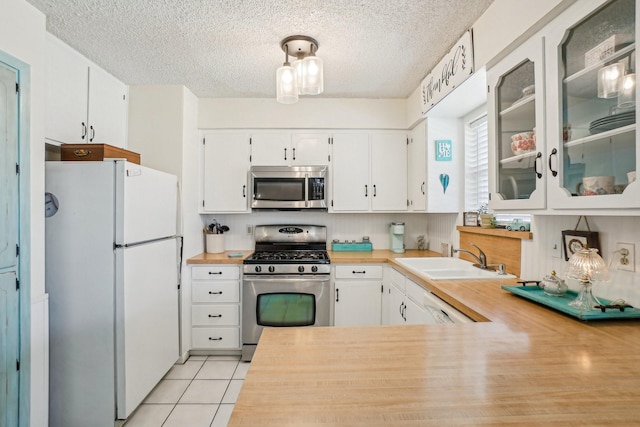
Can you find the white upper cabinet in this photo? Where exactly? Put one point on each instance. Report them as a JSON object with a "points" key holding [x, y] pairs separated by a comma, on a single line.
{"points": [[289, 149], [417, 168], [108, 108], [271, 149], [67, 91], [388, 171], [225, 172], [84, 104], [516, 129], [309, 149], [369, 172], [350, 172], [435, 178], [561, 85], [592, 141]]}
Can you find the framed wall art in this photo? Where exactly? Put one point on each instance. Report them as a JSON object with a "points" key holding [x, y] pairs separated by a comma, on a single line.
{"points": [[574, 240], [471, 219]]}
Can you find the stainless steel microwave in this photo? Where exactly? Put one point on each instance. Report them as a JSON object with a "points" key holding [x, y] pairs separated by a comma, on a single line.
{"points": [[289, 187]]}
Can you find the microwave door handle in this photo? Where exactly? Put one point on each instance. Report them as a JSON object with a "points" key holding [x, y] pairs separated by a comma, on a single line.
{"points": [[306, 190]]}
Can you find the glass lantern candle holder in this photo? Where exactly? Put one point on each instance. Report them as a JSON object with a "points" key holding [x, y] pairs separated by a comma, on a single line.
{"points": [[588, 268]]}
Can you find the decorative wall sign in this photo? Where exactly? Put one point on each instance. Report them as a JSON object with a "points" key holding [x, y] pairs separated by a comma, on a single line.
{"points": [[444, 150], [453, 69], [471, 219]]}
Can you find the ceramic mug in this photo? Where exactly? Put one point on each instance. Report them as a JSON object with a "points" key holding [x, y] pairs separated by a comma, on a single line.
{"points": [[596, 185], [631, 176]]}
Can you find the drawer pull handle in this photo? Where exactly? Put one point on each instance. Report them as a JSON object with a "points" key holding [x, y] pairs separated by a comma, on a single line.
{"points": [[215, 272], [215, 315], [82, 153], [215, 339], [215, 293], [359, 272]]}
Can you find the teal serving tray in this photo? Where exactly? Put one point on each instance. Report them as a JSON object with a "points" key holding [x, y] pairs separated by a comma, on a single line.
{"points": [[535, 293], [348, 247]]}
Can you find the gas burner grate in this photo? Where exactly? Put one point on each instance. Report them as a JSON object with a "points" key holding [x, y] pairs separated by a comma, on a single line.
{"points": [[295, 256]]}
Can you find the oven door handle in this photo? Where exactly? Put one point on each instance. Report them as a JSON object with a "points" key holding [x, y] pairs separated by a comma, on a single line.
{"points": [[286, 278]]}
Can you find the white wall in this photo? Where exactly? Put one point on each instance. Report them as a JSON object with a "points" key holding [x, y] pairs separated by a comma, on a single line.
{"points": [[333, 113], [163, 129], [22, 35], [155, 126]]}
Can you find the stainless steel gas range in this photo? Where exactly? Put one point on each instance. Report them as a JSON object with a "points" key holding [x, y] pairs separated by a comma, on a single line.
{"points": [[286, 281]]}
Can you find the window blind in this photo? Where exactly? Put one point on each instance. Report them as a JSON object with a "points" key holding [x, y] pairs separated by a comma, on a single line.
{"points": [[476, 164]]}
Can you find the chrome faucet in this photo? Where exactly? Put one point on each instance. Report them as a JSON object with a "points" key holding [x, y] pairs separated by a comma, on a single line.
{"points": [[481, 257]]}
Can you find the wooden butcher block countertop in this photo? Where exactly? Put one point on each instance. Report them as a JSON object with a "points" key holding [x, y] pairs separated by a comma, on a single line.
{"points": [[522, 364]]}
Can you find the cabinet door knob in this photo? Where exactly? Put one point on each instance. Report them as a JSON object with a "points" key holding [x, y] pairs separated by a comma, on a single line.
{"points": [[215, 315], [215, 339], [337, 295], [215, 272], [294, 153], [93, 133], [215, 293], [84, 130], [375, 191], [285, 154], [366, 190], [554, 152], [244, 191], [422, 188]]}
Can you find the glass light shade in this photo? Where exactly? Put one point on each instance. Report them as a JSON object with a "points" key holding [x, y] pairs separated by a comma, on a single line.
{"points": [[627, 97], [297, 64], [286, 85], [312, 75], [588, 267], [610, 80]]}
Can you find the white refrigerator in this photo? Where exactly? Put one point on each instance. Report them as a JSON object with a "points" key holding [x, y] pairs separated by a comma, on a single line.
{"points": [[112, 259]]}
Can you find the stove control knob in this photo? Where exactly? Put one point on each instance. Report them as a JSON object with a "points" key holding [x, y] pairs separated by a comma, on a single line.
{"points": [[314, 269], [258, 269], [301, 269], [271, 269]]}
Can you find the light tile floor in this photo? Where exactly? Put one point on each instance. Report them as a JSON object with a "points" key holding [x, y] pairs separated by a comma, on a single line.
{"points": [[199, 393]]}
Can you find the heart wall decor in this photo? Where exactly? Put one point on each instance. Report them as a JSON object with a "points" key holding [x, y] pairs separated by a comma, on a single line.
{"points": [[444, 180]]}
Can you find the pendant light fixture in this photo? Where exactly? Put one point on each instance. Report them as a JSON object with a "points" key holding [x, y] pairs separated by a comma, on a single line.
{"points": [[287, 82], [305, 75]]}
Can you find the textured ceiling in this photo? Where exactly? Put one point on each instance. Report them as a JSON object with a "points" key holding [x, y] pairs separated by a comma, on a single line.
{"points": [[231, 48]]}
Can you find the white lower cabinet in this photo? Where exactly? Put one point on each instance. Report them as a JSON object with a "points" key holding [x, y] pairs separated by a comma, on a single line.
{"points": [[215, 310], [404, 298], [358, 296]]}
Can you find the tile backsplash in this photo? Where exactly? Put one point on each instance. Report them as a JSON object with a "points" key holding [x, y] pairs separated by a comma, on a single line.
{"points": [[339, 226]]}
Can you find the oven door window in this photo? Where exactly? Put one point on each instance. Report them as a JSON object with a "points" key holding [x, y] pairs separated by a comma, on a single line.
{"points": [[286, 309], [288, 189]]}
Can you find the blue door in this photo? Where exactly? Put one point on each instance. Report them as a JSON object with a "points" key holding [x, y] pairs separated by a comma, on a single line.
{"points": [[9, 226]]}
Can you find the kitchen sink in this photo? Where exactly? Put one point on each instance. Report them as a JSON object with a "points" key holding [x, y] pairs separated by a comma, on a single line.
{"points": [[436, 268]]}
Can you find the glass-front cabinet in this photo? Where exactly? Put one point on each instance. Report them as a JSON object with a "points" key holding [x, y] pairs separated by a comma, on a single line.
{"points": [[592, 152], [516, 129]]}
